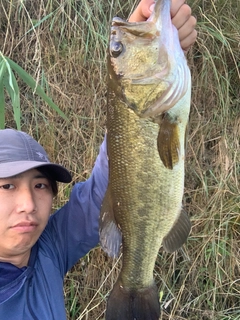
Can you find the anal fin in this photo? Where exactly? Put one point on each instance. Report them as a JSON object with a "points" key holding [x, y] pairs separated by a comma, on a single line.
{"points": [[178, 233], [110, 234]]}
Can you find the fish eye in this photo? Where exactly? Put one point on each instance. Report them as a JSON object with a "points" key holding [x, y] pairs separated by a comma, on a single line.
{"points": [[116, 49]]}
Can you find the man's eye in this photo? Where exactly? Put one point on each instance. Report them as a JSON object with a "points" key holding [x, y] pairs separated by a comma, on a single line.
{"points": [[7, 186], [41, 186]]}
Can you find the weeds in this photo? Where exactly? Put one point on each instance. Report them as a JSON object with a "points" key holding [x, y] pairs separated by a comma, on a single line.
{"points": [[63, 44]]}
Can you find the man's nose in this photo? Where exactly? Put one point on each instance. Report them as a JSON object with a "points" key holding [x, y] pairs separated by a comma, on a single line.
{"points": [[26, 201]]}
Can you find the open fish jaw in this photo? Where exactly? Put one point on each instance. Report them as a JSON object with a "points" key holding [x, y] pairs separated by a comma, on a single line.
{"points": [[153, 73]]}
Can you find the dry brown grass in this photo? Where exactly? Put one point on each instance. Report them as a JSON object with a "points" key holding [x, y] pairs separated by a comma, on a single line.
{"points": [[66, 53]]}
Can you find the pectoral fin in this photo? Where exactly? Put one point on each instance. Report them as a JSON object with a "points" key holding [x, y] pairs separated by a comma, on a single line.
{"points": [[168, 142], [178, 234], [110, 234]]}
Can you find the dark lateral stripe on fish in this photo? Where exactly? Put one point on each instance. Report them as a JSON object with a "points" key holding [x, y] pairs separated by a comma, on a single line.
{"points": [[168, 142]]}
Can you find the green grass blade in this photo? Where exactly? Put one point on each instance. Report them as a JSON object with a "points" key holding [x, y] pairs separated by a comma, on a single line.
{"points": [[16, 102], [10, 83], [10, 75], [35, 87], [8, 80], [2, 106], [2, 69], [38, 23]]}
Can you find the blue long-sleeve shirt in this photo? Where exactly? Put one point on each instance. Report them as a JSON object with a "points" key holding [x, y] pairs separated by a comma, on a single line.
{"points": [[36, 291]]}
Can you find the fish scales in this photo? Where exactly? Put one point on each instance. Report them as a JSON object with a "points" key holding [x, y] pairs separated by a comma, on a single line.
{"points": [[150, 192], [148, 109]]}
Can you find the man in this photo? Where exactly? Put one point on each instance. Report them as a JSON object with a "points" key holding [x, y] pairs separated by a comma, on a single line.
{"points": [[36, 249]]}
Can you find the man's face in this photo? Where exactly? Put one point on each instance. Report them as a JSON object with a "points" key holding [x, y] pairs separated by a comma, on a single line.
{"points": [[25, 206]]}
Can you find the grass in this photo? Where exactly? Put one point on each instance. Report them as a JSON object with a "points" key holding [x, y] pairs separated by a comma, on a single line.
{"points": [[62, 45]]}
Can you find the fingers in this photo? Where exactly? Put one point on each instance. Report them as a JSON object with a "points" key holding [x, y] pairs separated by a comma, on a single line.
{"points": [[175, 6], [185, 23], [181, 15], [143, 11], [188, 34]]}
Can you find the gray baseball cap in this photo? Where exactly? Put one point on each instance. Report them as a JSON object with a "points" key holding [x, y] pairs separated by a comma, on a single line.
{"points": [[19, 152]]}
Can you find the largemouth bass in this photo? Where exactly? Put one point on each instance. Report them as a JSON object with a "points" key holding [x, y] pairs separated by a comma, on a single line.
{"points": [[148, 109]]}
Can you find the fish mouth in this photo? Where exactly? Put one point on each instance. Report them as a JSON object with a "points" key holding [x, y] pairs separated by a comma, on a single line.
{"points": [[149, 53], [159, 24]]}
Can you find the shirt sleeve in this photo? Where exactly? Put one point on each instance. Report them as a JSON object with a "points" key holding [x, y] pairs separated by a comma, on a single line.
{"points": [[74, 228]]}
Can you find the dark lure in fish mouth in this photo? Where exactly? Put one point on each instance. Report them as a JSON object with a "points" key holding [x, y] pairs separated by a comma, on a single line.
{"points": [[149, 88]]}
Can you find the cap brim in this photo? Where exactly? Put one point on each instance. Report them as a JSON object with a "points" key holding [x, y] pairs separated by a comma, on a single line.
{"points": [[56, 171]]}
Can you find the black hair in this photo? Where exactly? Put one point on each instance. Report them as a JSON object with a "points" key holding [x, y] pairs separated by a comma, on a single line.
{"points": [[45, 171]]}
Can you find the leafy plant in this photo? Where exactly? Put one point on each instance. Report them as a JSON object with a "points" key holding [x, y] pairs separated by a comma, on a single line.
{"points": [[9, 83]]}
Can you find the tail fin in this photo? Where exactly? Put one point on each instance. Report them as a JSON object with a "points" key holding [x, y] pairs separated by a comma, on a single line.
{"points": [[126, 304]]}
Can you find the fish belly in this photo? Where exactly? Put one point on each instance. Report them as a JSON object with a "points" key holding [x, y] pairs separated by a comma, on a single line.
{"points": [[146, 195], [146, 200]]}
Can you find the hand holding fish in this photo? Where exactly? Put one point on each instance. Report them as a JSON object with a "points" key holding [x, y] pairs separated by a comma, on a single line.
{"points": [[182, 19]]}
